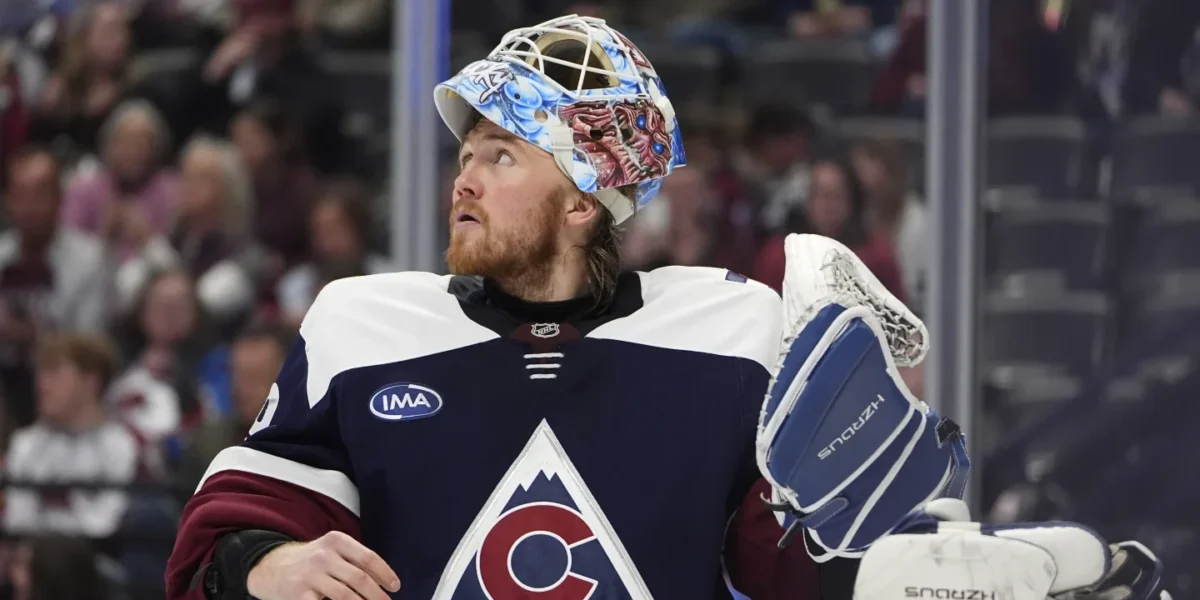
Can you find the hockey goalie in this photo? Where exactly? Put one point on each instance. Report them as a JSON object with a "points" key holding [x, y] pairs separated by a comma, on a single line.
{"points": [[540, 425]]}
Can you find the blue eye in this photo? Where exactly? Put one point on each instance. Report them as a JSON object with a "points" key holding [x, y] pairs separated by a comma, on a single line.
{"points": [[641, 121], [658, 148]]}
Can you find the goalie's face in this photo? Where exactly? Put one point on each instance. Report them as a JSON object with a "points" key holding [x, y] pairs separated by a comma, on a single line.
{"points": [[509, 208]]}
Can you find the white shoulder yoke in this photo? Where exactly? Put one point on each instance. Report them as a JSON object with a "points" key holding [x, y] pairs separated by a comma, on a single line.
{"points": [[703, 309], [380, 319]]}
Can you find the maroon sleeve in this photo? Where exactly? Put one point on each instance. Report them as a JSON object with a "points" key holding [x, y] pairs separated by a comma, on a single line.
{"points": [[757, 567], [232, 501], [770, 265]]}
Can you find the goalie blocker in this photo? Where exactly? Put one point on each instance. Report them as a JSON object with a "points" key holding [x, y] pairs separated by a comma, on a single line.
{"points": [[847, 448]]}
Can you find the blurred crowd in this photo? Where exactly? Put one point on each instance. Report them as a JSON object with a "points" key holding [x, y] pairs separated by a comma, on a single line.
{"points": [[181, 177]]}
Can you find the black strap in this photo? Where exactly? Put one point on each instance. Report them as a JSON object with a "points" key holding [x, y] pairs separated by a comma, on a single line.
{"points": [[236, 554], [947, 430]]}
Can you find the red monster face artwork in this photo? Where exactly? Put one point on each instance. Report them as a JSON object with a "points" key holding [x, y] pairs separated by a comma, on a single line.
{"points": [[625, 140]]}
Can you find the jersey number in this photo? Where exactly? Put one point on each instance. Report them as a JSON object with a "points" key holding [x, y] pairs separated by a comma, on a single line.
{"points": [[268, 410]]}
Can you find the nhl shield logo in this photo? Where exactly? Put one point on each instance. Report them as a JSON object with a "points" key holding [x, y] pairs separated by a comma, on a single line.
{"points": [[544, 330], [541, 535]]}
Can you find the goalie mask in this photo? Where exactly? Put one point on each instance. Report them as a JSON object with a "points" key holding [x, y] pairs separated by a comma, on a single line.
{"points": [[610, 126]]}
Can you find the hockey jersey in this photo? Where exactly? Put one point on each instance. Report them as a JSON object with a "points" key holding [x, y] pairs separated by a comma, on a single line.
{"points": [[487, 456]]}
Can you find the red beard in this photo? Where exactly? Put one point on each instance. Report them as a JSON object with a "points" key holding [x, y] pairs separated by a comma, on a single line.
{"points": [[524, 252]]}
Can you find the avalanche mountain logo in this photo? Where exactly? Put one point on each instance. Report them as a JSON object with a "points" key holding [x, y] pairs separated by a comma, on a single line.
{"points": [[541, 536]]}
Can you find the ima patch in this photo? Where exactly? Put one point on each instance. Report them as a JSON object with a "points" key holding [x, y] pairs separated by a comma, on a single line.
{"points": [[541, 535]]}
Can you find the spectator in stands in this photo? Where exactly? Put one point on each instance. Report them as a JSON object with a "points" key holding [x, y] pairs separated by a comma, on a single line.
{"points": [[738, 231], [1028, 68], [132, 195], [56, 567], [7, 426], [18, 17], [255, 358], [818, 19], [340, 228], [777, 162], [90, 77], [260, 33], [1097, 36], [167, 336], [284, 186], [333, 270], [73, 441], [835, 208], [886, 35], [347, 23], [209, 239], [1164, 61], [893, 214], [261, 57], [50, 277], [21, 75], [206, 14], [686, 235]]}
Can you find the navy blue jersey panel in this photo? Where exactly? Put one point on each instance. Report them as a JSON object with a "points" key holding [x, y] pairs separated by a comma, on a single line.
{"points": [[292, 428], [661, 439]]}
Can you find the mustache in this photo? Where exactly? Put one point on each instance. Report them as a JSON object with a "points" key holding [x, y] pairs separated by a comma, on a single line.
{"points": [[468, 207]]}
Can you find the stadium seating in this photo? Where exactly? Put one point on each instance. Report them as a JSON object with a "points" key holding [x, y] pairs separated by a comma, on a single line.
{"points": [[1065, 332], [1167, 301], [1062, 243], [837, 75], [1167, 239], [1045, 155], [365, 82], [1154, 155], [908, 133]]}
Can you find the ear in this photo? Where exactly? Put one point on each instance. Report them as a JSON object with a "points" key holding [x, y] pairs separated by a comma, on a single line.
{"points": [[582, 209]]}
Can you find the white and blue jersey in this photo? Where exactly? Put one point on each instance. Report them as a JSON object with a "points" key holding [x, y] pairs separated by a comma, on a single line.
{"points": [[486, 452]]}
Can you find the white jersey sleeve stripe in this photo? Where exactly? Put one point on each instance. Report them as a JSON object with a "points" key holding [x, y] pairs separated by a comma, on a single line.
{"points": [[332, 484]]}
